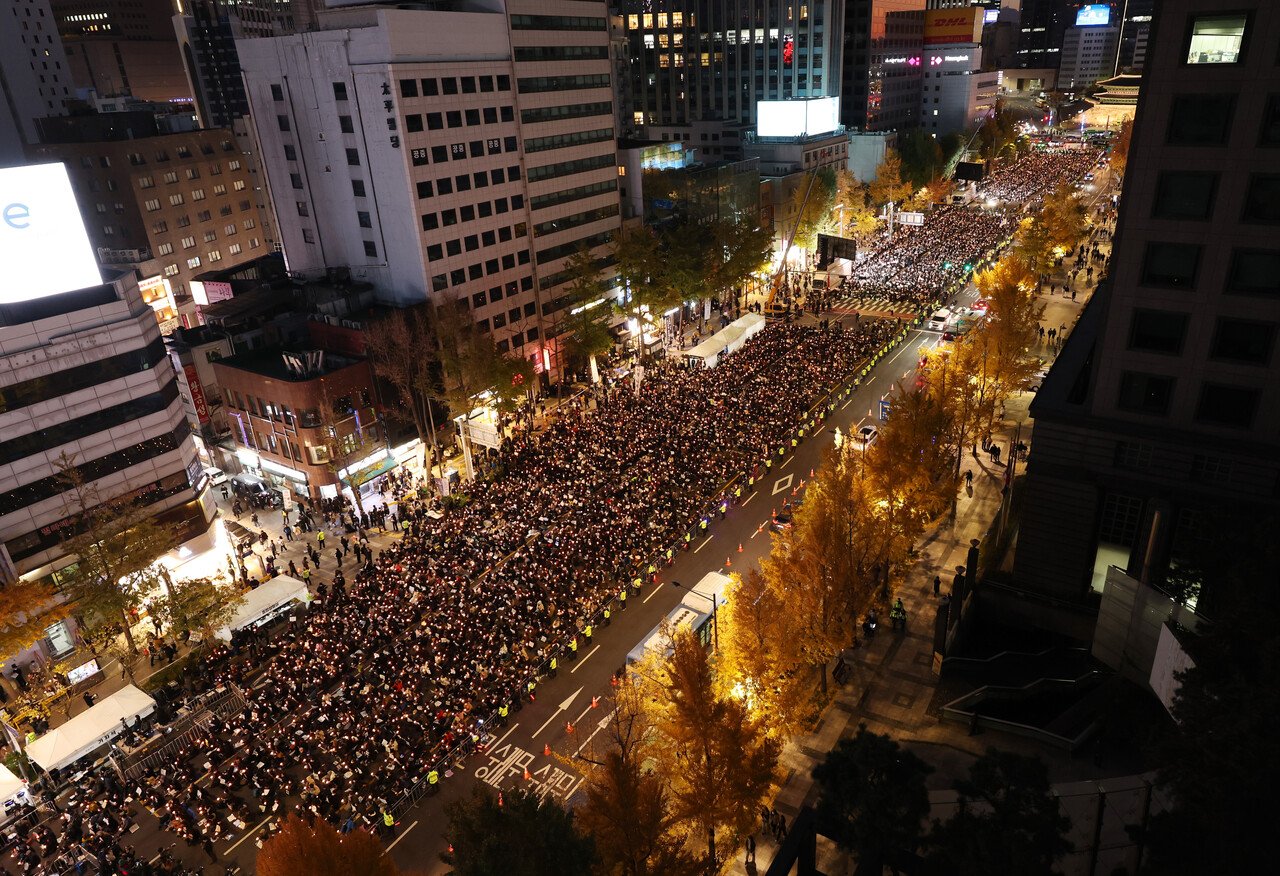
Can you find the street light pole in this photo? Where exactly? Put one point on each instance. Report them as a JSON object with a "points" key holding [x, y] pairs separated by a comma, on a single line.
{"points": [[715, 619]]}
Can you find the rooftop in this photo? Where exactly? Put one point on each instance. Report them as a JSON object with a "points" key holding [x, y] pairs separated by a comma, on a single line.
{"points": [[289, 365]]}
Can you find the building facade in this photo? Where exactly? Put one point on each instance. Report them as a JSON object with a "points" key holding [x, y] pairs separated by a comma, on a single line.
{"points": [[1041, 27], [123, 47], [1088, 54], [85, 374], [457, 154], [880, 78], [713, 62], [170, 206], [35, 80], [1163, 408], [301, 420]]}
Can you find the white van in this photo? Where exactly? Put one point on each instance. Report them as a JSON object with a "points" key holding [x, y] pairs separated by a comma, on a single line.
{"points": [[938, 321]]}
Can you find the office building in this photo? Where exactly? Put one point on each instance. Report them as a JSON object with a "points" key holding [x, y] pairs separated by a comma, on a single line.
{"points": [[955, 93], [880, 79], [1163, 408], [123, 47], [85, 374], [696, 62], [1042, 25], [1088, 54], [1133, 17], [457, 154], [170, 206], [35, 81]]}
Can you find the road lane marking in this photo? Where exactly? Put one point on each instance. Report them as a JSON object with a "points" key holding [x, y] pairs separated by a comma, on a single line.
{"points": [[404, 833], [247, 835], [790, 459], [505, 735], [749, 498], [584, 659], [782, 484], [699, 547], [563, 707], [661, 584]]}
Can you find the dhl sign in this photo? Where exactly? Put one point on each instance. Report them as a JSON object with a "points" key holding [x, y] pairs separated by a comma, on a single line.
{"points": [[943, 26]]}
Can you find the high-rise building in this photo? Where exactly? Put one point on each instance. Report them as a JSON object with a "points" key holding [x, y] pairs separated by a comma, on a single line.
{"points": [[1134, 19], [1042, 24], [1088, 54], [123, 47], [1163, 408], [700, 62], [881, 71], [955, 92], [457, 153], [35, 81], [85, 374], [171, 206]]}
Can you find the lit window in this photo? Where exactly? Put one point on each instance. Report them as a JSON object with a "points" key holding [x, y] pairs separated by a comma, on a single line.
{"points": [[1216, 39]]}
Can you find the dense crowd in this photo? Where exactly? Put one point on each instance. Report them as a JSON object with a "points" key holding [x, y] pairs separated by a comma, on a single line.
{"points": [[1025, 181], [362, 699]]}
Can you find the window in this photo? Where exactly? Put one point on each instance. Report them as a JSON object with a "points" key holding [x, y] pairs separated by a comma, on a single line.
{"points": [[504, 82], [1157, 331], [477, 148], [1216, 39], [170, 270], [1172, 265], [175, 200], [430, 88], [204, 216], [468, 85], [248, 223], [1270, 133], [490, 115], [357, 188], [210, 236], [458, 151], [152, 205], [193, 262], [215, 255], [449, 85], [1254, 272], [439, 153], [1210, 467], [346, 125], [353, 157], [340, 90], [197, 194], [1145, 393], [295, 180], [540, 84], [233, 165], [453, 118], [1240, 340], [435, 121], [1223, 405], [1261, 202], [413, 123], [277, 93], [302, 208], [290, 153], [1200, 119], [1184, 195], [160, 227], [408, 88], [164, 249], [424, 189], [467, 212], [435, 252], [463, 182], [219, 189], [188, 242], [444, 186], [370, 249], [229, 229], [308, 236], [283, 122], [363, 219]]}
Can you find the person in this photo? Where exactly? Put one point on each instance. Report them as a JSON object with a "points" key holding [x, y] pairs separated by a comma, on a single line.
{"points": [[937, 584], [898, 615], [751, 849]]}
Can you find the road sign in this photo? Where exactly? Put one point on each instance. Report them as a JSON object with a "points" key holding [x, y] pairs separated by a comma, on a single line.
{"points": [[884, 409], [910, 218]]}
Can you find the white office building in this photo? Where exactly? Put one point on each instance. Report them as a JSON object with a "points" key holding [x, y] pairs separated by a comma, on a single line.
{"points": [[955, 93], [452, 152], [1089, 54], [85, 374]]}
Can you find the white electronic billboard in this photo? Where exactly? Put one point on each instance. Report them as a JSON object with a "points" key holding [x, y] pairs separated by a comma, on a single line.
{"points": [[44, 249], [1093, 15], [797, 118]]}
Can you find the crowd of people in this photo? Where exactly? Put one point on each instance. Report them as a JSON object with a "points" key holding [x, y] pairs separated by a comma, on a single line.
{"points": [[365, 697], [1026, 180]]}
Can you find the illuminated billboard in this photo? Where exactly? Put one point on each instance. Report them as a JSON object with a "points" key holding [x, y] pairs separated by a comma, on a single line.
{"points": [[991, 16], [44, 249], [944, 26], [797, 118], [1093, 15]]}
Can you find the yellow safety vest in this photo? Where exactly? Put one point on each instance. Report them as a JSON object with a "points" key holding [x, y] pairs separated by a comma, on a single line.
{"points": [[388, 819], [587, 631], [433, 778]]}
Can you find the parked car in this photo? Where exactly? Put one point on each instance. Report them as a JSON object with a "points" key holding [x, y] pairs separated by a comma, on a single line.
{"points": [[939, 320], [217, 477], [866, 436]]}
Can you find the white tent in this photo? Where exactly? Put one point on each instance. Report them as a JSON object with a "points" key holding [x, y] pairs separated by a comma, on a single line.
{"points": [[728, 340], [10, 785], [263, 601], [89, 731]]}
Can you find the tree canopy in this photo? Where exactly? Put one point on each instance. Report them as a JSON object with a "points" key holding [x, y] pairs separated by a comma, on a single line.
{"points": [[515, 833], [314, 847]]}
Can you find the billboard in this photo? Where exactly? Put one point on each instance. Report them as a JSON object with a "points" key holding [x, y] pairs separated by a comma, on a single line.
{"points": [[1093, 15], [797, 118], [943, 26], [991, 16], [43, 244], [198, 400]]}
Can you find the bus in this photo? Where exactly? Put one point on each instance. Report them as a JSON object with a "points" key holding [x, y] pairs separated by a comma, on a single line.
{"points": [[697, 611]]}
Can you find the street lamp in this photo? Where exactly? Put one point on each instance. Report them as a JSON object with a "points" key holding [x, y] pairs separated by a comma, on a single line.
{"points": [[715, 620]]}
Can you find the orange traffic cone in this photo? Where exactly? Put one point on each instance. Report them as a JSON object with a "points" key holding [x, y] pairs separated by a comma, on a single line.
{"points": [[810, 472], [595, 702], [546, 749], [527, 776], [739, 547], [727, 562], [568, 726]]}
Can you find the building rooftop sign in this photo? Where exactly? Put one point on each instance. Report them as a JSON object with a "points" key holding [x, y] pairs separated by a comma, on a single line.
{"points": [[44, 249]]}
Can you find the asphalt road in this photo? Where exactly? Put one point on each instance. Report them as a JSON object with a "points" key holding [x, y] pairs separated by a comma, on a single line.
{"points": [[518, 749]]}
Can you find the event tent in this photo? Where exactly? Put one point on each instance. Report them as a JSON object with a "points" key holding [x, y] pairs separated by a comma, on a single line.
{"points": [[88, 731], [264, 600], [728, 340], [10, 785]]}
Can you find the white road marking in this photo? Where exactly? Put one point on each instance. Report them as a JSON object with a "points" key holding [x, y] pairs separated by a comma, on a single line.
{"points": [[661, 584], [584, 659], [790, 459], [404, 833], [782, 484], [699, 547], [510, 730], [247, 835], [563, 707], [749, 498]]}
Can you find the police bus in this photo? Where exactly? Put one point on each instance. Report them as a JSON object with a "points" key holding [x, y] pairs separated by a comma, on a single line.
{"points": [[697, 611]]}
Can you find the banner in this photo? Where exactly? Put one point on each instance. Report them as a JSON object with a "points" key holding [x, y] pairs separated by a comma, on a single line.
{"points": [[943, 26], [197, 393]]}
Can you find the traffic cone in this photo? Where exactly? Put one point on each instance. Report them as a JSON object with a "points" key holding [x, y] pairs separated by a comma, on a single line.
{"points": [[546, 749], [568, 726], [727, 562], [739, 547], [595, 702], [527, 776], [811, 473]]}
